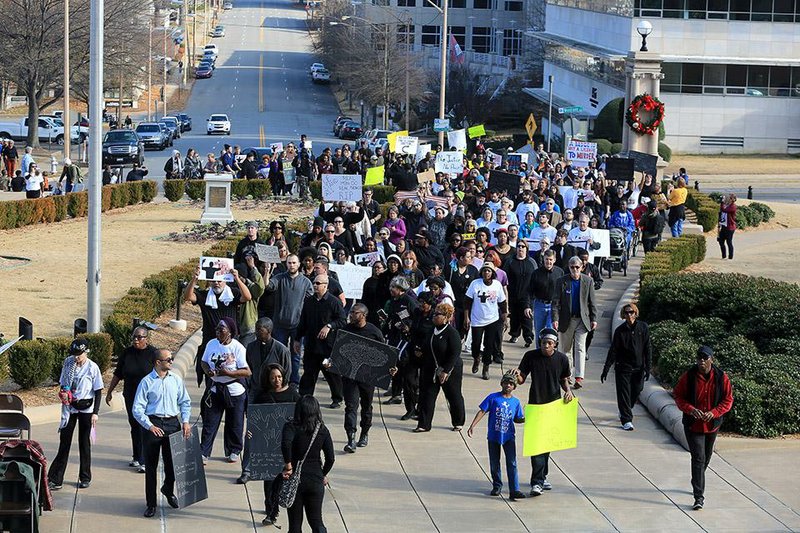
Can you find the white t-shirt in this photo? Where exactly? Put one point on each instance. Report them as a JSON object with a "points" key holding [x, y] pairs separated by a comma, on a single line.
{"points": [[570, 197], [535, 240], [231, 356], [522, 210], [34, 182], [86, 379], [485, 300], [580, 238]]}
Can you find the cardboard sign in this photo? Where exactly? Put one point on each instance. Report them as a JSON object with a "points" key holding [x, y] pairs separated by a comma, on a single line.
{"points": [[352, 278], [216, 269], [449, 162], [276, 148], [422, 152], [581, 153], [495, 159], [644, 162], [406, 145], [467, 237], [267, 254], [374, 176], [341, 187], [441, 124], [457, 139], [504, 181], [265, 423], [363, 360], [603, 238], [427, 176], [187, 464], [619, 169], [368, 259], [392, 139], [550, 427], [476, 131]]}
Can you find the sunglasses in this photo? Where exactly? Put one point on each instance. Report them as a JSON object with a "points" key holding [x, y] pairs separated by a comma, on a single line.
{"points": [[320, 283], [574, 268], [703, 357], [167, 360], [329, 231], [139, 337], [630, 312]]}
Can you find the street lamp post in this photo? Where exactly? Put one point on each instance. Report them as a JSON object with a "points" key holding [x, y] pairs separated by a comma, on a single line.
{"points": [[550, 112], [67, 128], [95, 159], [443, 68], [150, 72]]}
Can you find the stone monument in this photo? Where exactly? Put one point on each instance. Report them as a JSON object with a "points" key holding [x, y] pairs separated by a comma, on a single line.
{"points": [[218, 199]]}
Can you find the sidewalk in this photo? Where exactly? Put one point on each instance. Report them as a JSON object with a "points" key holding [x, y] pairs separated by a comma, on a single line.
{"points": [[613, 481]]}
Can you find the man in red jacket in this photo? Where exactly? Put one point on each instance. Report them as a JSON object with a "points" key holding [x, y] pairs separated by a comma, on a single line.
{"points": [[704, 394]]}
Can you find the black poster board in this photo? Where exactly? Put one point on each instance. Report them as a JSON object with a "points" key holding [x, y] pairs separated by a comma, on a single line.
{"points": [[265, 423], [362, 359], [187, 462], [504, 181], [644, 162], [619, 169]]}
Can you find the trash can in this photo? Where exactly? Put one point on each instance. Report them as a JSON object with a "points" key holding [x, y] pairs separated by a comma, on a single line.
{"points": [[25, 329]]}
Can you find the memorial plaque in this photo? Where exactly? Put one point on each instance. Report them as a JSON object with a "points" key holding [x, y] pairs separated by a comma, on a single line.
{"points": [[217, 197]]}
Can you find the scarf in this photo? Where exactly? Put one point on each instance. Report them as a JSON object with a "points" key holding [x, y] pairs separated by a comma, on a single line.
{"points": [[226, 297], [66, 384]]}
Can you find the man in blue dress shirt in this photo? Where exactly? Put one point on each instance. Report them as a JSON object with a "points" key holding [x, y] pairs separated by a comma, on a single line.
{"points": [[161, 404]]}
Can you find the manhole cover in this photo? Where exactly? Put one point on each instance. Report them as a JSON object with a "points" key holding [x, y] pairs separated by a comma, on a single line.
{"points": [[8, 262]]}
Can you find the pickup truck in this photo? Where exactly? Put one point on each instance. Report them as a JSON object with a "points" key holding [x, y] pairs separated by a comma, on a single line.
{"points": [[18, 131]]}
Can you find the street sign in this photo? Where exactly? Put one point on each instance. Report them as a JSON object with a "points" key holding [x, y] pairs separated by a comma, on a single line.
{"points": [[441, 124], [570, 110], [531, 126]]}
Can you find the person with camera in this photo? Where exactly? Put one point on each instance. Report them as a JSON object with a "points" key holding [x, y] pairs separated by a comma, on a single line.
{"points": [[81, 390], [396, 319], [727, 225]]}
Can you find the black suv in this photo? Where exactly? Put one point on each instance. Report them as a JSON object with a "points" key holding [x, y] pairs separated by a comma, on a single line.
{"points": [[186, 121], [122, 147]]}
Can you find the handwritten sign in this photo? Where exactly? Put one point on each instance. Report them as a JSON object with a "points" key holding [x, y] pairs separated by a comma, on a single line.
{"points": [[375, 176], [368, 259], [603, 238], [581, 153], [363, 360], [265, 423], [392, 139], [406, 145], [457, 139], [187, 464], [427, 176], [476, 131], [216, 269], [352, 278], [267, 253], [341, 187], [496, 159], [422, 152], [550, 427], [449, 162]]}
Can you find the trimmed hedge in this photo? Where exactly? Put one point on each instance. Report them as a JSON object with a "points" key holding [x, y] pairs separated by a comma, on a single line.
{"points": [[672, 255], [664, 151], [20, 213], [174, 189], [706, 209], [196, 189], [603, 146], [380, 193]]}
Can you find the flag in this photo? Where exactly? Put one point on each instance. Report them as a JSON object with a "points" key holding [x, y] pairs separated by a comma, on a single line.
{"points": [[456, 53]]}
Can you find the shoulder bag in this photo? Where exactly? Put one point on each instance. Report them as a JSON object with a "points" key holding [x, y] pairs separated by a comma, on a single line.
{"points": [[290, 486]]}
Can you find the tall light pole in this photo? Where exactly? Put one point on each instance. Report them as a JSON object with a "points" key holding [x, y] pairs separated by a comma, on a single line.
{"points": [[185, 55], [164, 87], [67, 128], [150, 72], [550, 112], [443, 63], [95, 163]]}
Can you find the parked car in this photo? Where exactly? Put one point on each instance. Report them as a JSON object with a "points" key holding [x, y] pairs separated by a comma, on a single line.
{"points": [[218, 123], [77, 133], [260, 152], [227, 5], [210, 54], [172, 125], [337, 124], [212, 47], [152, 135], [166, 132], [350, 130], [315, 67], [321, 75], [372, 136], [218, 31], [122, 147], [186, 121], [203, 71], [49, 131], [210, 62]]}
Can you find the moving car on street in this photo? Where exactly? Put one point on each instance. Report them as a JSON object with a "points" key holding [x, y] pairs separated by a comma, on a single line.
{"points": [[350, 130], [186, 121], [322, 75], [152, 136], [218, 31], [122, 147], [218, 123]]}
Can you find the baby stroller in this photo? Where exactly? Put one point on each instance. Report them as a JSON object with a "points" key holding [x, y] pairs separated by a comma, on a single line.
{"points": [[618, 259]]}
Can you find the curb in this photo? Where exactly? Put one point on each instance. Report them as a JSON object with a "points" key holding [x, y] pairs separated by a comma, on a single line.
{"points": [[654, 397], [184, 360]]}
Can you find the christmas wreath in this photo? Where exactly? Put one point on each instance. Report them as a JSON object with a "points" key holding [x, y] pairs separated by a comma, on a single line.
{"points": [[655, 109]]}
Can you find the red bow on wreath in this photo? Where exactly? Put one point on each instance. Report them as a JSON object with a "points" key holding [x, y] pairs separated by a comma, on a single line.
{"points": [[650, 104]]}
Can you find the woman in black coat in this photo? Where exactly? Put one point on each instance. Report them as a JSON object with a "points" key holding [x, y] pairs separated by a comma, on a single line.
{"points": [[298, 438], [442, 368]]}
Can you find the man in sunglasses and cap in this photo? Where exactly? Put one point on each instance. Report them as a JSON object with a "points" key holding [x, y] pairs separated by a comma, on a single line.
{"points": [[704, 394]]}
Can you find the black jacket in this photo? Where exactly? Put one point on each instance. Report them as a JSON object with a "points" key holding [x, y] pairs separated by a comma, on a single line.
{"points": [[315, 315], [543, 284], [520, 273], [630, 347]]}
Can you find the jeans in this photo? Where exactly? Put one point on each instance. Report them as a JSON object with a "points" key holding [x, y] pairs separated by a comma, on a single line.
{"points": [[283, 335], [701, 446], [542, 318], [510, 450], [573, 343], [629, 383], [540, 468], [84, 421], [234, 423], [677, 228], [152, 446]]}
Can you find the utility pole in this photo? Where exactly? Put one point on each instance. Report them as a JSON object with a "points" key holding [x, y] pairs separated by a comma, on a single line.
{"points": [[95, 160], [193, 49], [164, 87], [443, 68], [65, 118], [150, 72], [550, 112], [185, 56], [386, 78]]}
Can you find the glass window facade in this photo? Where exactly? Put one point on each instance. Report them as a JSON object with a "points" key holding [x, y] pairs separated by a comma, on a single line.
{"points": [[512, 43], [745, 80], [615, 7], [600, 69], [482, 39], [753, 10], [430, 35], [460, 33]]}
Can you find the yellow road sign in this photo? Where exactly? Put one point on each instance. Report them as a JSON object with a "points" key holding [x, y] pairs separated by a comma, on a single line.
{"points": [[531, 126]]}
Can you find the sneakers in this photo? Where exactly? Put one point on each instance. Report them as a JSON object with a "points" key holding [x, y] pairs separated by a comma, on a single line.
{"points": [[546, 485], [698, 504], [54, 486], [140, 470], [84, 484], [233, 458], [134, 464], [536, 490], [516, 495], [628, 426], [363, 442], [205, 460], [495, 492], [578, 383], [512, 340], [528, 343]]}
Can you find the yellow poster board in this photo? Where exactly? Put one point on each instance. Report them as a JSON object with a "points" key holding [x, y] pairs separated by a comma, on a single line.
{"points": [[550, 427], [476, 131], [375, 175], [392, 138]]}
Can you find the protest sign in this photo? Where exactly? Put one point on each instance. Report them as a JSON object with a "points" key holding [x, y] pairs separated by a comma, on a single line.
{"points": [[276, 148], [496, 159], [341, 187], [476, 131], [406, 145], [514, 161], [422, 152], [581, 153], [265, 423], [603, 238], [550, 427], [467, 237], [441, 124], [363, 360], [367, 259], [424, 177], [449, 162], [457, 139], [504, 181], [392, 138], [352, 278], [216, 269], [375, 176], [267, 253], [619, 169], [187, 465], [644, 162]]}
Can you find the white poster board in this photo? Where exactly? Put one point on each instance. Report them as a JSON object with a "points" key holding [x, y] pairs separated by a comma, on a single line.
{"points": [[216, 269], [496, 159], [441, 124], [267, 253], [422, 151], [600, 236], [352, 278], [276, 148], [406, 145], [449, 162], [581, 153], [341, 187], [457, 139], [367, 259]]}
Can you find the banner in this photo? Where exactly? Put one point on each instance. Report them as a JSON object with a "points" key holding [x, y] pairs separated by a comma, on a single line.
{"points": [[216, 269], [406, 145], [450, 162], [352, 278], [341, 187], [422, 151], [581, 153], [441, 124], [457, 139], [425, 177], [550, 427], [392, 138], [374, 176], [476, 131]]}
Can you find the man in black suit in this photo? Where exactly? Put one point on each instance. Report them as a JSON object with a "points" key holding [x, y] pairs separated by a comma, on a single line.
{"points": [[564, 251], [575, 315]]}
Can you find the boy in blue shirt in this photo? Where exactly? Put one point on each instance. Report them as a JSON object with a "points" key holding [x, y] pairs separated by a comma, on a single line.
{"points": [[504, 410]]}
